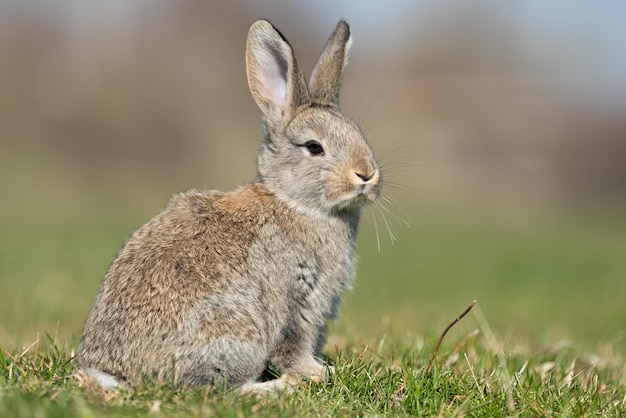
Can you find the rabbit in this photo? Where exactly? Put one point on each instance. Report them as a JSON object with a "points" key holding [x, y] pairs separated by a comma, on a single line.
{"points": [[219, 285]]}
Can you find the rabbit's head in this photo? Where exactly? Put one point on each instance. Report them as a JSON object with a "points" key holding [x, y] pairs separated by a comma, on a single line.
{"points": [[312, 157]]}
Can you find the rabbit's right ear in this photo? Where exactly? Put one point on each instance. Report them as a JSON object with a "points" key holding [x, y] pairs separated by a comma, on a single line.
{"points": [[328, 71], [274, 76]]}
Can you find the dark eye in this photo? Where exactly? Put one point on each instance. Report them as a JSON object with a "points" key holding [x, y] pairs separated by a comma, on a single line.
{"points": [[314, 147]]}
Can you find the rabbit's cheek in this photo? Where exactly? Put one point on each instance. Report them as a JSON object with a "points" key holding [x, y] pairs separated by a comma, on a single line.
{"points": [[339, 190]]}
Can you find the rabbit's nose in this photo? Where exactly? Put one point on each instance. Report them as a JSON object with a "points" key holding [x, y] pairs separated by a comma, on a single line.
{"points": [[365, 172], [367, 177]]}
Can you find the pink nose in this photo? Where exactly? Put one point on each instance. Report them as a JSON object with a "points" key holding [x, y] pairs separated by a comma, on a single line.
{"points": [[365, 176]]}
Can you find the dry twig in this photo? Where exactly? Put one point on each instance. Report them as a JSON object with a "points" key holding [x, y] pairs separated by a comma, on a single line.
{"points": [[443, 334]]}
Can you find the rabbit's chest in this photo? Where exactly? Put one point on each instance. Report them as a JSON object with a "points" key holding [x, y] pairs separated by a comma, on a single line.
{"points": [[322, 270], [316, 278], [312, 265]]}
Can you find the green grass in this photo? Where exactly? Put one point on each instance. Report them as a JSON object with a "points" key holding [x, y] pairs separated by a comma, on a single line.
{"points": [[476, 378], [546, 338]]}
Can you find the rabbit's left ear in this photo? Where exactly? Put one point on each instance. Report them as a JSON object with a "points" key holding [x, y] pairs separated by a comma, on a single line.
{"points": [[327, 74], [274, 76]]}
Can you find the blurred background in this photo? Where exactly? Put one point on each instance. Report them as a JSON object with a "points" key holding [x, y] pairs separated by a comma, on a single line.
{"points": [[501, 126]]}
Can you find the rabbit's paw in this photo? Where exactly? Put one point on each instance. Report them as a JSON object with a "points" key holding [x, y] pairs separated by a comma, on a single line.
{"points": [[105, 380], [283, 385], [313, 370]]}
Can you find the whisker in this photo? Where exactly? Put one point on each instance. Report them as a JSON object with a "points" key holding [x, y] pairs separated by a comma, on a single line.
{"points": [[390, 230], [398, 159], [391, 161], [400, 145], [410, 190], [368, 128], [383, 159], [368, 107], [403, 218], [376, 231], [402, 167], [389, 212], [391, 200]]}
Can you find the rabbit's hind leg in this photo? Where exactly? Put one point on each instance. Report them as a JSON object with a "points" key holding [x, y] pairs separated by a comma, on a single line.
{"points": [[222, 363], [105, 380]]}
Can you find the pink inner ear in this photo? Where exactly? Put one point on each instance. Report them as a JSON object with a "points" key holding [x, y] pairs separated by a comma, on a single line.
{"points": [[278, 90], [273, 79]]}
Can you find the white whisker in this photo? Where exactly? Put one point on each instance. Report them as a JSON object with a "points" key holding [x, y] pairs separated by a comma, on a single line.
{"points": [[376, 231], [403, 217], [368, 107], [406, 189], [397, 146], [398, 219], [399, 168], [392, 235]]}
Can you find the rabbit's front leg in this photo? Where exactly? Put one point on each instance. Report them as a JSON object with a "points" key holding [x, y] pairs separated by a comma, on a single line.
{"points": [[296, 355], [311, 368]]}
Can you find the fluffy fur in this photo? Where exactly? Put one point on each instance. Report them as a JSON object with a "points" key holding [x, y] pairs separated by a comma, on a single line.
{"points": [[219, 285]]}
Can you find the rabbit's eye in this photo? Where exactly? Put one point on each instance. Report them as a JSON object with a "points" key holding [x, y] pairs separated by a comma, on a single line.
{"points": [[314, 147]]}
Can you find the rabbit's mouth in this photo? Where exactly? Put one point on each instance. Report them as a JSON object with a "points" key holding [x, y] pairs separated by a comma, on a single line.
{"points": [[366, 193], [355, 202], [361, 193], [367, 186]]}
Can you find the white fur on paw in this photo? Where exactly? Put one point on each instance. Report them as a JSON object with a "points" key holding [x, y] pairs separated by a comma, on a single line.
{"points": [[105, 380], [322, 375], [271, 387], [316, 372]]}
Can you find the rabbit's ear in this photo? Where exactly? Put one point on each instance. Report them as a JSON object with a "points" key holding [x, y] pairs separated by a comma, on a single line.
{"points": [[274, 76], [328, 71]]}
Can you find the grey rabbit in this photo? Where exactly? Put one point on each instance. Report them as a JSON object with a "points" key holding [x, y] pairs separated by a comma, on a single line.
{"points": [[220, 285]]}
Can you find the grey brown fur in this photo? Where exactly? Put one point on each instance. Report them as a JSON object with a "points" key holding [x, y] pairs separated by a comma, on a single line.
{"points": [[218, 285]]}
